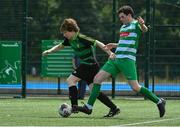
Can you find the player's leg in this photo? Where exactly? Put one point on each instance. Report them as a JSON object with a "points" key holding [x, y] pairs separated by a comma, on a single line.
{"points": [[140, 89], [128, 67], [151, 96], [101, 76], [81, 89], [107, 70], [89, 77], [72, 80], [114, 110], [73, 92], [87, 108]]}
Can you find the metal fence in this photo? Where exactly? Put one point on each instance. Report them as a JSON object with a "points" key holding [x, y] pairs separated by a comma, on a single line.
{"points": [[165, 47], [32, 21]]}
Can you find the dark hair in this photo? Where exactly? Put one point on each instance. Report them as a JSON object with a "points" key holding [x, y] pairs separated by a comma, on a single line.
{"points": [[126, 10], [69, 25]]}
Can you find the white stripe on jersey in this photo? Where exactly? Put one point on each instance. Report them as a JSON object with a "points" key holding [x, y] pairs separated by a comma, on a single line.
{"points": [[126, 56], [126, 49], [131, 27], [132, 35], [127, 42]]}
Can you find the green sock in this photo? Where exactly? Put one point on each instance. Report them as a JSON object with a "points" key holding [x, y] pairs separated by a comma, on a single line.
{"points": [[151, 96], [94, 94]]}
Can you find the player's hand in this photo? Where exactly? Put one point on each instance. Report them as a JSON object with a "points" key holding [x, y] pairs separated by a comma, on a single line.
{"points": [[45, 53], [112, 56], [140, 20], [109, 46]]}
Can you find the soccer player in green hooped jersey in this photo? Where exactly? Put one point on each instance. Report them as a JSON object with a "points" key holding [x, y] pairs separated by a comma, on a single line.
{"points": [[88, 68], [125, 60]]}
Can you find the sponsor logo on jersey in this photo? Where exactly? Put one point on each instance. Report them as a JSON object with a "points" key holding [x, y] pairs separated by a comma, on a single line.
{"points": [[124, 34]]}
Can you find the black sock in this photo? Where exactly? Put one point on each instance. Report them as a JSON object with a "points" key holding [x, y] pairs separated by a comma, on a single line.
{"points": [[106, 101], [73, 92]]}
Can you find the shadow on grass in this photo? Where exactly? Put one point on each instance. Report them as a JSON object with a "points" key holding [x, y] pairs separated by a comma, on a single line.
{"points": [[82, 117]]}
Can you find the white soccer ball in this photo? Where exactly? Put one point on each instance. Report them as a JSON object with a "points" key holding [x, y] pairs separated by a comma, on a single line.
{"points": [[65, 110]]}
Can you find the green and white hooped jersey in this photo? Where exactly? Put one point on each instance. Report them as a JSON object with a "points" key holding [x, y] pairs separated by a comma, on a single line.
{"points": [[128, 41]]}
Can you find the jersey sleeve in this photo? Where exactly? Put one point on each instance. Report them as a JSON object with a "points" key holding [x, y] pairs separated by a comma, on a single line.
{"points": [[87, 40], [65, 42]]}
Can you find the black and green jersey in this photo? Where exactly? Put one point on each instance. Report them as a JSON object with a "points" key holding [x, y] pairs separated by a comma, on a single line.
{"points": [[83, 47]]}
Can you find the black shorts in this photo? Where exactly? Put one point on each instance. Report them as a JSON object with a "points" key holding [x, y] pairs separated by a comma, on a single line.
{"points": [[86, 72]]}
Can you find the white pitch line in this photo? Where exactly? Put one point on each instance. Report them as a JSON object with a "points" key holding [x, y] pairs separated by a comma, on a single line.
{"points": [[154, 121]]}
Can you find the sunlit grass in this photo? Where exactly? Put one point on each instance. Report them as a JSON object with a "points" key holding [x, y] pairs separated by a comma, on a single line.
{"points": [[43, 112]]}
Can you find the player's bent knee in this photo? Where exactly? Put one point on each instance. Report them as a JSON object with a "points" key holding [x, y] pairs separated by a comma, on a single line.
{"points": [[97, 80], [70, 82], [100, 77], [136, 88]]}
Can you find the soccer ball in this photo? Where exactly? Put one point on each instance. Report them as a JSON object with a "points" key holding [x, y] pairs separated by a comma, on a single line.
{"points": [[65, 110]]}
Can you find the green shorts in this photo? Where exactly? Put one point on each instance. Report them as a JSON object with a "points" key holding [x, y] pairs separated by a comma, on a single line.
{"points": [[126, 66]]}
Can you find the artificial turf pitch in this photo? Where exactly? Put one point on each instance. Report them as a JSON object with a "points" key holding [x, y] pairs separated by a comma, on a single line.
{"points": [[44, 112]]}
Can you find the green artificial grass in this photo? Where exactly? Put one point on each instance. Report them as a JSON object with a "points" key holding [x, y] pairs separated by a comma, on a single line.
{"points": [[44, 112]]}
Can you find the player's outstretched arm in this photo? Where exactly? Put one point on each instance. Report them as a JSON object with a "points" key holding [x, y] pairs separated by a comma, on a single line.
{"points": [[53, 49], [108, 51], [142, 24], [111, 46]]}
